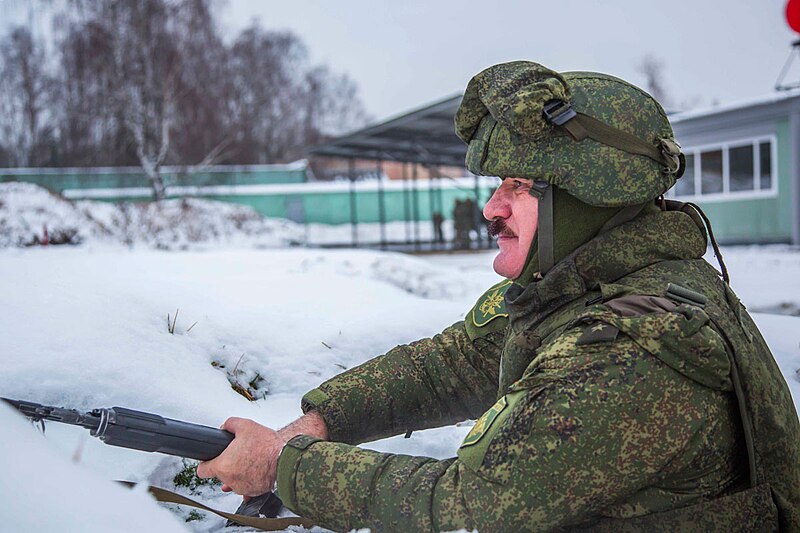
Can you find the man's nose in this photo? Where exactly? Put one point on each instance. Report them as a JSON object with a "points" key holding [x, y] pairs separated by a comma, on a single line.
{"points": [[497, 206]]}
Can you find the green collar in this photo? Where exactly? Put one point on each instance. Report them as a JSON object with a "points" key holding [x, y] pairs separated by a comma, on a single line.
{"points": [[650, 238], [573, 223]]}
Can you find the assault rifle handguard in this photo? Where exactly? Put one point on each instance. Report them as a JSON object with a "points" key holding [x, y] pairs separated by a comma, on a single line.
{"points": [[137, 430]]}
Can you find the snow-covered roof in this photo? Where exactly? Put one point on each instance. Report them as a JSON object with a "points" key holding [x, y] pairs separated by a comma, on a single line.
{"points": [[766, 99]]}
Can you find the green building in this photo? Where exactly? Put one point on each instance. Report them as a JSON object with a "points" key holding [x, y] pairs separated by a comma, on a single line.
{"points": [[743, 167]]}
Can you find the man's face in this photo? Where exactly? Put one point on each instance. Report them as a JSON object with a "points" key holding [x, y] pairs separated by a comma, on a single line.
{"points": [[514, 215]]}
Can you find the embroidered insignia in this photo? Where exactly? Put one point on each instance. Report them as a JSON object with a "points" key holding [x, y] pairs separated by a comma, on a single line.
{"points": [[493, 301], [484, 422], [491, 305], [597, 332]]}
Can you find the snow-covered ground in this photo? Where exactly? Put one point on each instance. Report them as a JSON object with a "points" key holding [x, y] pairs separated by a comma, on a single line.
{"points": [[87, 327]]}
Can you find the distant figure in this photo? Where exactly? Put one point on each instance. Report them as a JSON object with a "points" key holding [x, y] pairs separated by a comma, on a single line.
{"points": [[462, 221], [437, 219], [471, 211]]}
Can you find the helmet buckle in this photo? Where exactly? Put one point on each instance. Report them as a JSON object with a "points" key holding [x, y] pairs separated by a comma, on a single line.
{"points": [[558, 112]]}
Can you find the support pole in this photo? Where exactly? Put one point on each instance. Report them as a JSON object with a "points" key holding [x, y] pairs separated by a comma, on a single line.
{"points": [[794, 176], [381, 204], [415, 197], [440, 196], [406, 204], [353, 210], [432, 206], [779, 85]]}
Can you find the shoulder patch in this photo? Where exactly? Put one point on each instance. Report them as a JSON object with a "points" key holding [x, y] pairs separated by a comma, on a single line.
{"points": [[484, 422], [491, 305]]}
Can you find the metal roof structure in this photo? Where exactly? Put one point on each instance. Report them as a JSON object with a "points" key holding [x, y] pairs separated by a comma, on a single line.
{"points": [[425, 136], [757, 105]]}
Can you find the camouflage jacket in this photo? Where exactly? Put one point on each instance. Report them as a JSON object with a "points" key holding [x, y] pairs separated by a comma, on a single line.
{"points": [[603, 401]]}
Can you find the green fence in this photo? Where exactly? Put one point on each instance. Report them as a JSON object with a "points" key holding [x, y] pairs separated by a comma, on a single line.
{"points": [[131, 182], [281, 191]]}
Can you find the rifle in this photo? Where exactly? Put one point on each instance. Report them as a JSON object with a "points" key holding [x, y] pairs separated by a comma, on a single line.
{"points": [[138, 430]]}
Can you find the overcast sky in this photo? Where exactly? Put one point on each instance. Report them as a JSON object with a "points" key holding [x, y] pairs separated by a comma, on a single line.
{"points": [[407, 53]]}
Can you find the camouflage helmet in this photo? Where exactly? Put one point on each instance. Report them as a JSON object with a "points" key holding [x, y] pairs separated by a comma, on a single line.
{"points": [[603, 140]]}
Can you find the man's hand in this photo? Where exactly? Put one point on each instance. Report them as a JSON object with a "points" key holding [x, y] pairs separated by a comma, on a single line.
{"points": [[249, 464]]}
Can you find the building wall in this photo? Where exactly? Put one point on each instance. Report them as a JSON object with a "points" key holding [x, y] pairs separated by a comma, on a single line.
{"points": [[754, 219], [745, 216]]}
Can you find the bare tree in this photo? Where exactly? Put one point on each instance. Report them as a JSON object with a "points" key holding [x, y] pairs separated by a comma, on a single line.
{"points": [[91, 121], [206, 131], [152, 83], [24, 83], [280, 103], [332, 104], [266, 69], [122, 69], [146, 67]]}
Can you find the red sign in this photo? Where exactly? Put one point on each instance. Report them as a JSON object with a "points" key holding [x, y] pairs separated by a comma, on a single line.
{"points": [[793, 14]]}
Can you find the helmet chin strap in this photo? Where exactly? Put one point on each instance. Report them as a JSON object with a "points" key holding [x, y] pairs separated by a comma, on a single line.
{"points": [[543, 191]]}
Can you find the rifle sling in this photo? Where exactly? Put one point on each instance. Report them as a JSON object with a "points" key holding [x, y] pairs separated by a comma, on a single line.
{"points": [[264, 524]]}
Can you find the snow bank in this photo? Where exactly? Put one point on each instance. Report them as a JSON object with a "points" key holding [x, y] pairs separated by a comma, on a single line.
{"points": [[88, 328], [27, 211], [42, 491]]}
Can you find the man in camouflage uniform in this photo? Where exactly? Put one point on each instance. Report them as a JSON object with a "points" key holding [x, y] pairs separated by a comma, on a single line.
{"points": [[617, 381]]}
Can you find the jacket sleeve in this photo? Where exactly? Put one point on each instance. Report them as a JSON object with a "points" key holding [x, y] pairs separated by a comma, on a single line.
{"points": [[429, 383], [571, 437]]}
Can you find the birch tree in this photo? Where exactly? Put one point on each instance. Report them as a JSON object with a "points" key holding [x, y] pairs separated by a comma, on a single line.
{"points": [[24, 83]]}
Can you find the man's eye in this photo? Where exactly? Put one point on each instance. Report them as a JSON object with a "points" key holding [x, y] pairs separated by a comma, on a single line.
{"points": [[519, 184]]}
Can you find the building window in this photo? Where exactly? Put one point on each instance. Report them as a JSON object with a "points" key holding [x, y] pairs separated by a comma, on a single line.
{"points": [[741, 168], [711, 172], [765, 159], [729, 170]]}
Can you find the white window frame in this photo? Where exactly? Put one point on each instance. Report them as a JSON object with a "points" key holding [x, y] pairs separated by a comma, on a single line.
{"points": [[727, 194]]}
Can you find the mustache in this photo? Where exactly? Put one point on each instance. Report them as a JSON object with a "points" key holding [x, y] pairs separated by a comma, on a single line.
{"points": [[498, 227]]}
